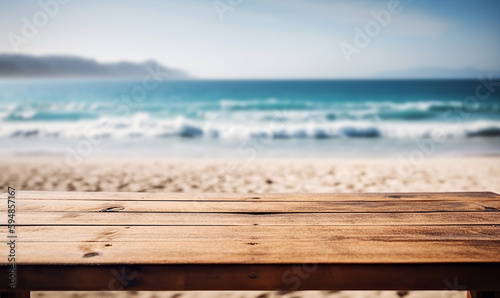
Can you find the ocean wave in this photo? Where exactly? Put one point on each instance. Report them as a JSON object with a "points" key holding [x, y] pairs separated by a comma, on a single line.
{"points": [[258, 110], [267, 104], [141, 125], [428, 105], [485, 132]]}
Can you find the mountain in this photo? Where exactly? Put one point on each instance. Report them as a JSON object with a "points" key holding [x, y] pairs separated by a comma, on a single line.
{"points": [[441, 73], [18, 66]]}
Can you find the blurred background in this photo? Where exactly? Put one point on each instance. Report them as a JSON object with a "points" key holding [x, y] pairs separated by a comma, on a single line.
{"points": [[246, 78]]}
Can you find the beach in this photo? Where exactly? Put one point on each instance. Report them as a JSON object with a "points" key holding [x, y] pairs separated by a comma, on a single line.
{"points": [[213, 101], [259, 175]]}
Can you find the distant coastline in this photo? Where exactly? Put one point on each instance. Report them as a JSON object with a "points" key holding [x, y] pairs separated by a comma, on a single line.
{"points": [[24, 66]]}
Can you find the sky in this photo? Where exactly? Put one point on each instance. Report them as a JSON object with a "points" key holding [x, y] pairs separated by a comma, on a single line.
{"points": [[264, 38]]}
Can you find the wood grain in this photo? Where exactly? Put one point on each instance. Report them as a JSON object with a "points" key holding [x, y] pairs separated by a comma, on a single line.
{"points": [[257, 252], [252, 233], [74, 241], [134, 196], [230, 219], [256, 206]]}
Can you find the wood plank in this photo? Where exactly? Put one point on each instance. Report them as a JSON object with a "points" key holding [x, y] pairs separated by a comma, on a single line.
{"points": [[134, 196], [227, 241], [255, 206], [284, 277], [263, 252], [483, 294], [230, 219], [16, 294], [253, 234]]}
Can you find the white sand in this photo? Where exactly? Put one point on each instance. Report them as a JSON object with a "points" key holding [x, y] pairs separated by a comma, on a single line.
{"points": [[256, 176]]}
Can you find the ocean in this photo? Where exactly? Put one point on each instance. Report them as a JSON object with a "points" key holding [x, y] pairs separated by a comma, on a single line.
{"points": [[249, 118]]}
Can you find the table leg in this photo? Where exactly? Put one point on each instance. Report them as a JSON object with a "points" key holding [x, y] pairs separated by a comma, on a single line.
{"points": [[483, 294], [18, 294]]}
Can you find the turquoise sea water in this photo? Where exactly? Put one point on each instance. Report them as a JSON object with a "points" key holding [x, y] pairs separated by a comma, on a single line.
{"points": [[234, 118]]}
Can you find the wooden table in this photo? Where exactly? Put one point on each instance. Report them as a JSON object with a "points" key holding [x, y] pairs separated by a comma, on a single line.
{"points": [[145, 241]]}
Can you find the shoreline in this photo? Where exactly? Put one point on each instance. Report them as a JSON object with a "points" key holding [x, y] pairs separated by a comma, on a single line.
{"points": [[131, 157]]}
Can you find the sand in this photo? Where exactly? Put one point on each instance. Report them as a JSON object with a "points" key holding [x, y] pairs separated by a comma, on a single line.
{"points": [[253, 176]]}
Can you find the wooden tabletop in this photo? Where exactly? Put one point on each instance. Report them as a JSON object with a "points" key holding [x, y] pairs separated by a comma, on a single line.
{"points": [[77, 240]]}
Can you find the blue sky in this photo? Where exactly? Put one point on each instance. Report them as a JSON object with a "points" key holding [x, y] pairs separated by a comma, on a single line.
{"points": [[267, 38]]}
